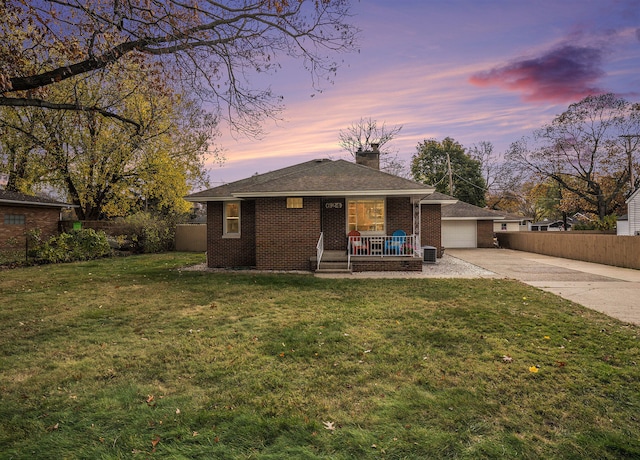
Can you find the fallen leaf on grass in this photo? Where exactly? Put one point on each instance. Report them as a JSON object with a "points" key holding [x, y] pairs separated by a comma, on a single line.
{"points": [[507, 359], [154, 442], [533, 369], [329, 426]]}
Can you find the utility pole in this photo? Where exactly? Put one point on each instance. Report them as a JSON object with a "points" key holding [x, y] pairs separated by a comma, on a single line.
{"points": [[450, 174]]}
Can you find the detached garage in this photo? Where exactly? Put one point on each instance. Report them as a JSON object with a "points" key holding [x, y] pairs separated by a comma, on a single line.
{"points": [[467, 226]]}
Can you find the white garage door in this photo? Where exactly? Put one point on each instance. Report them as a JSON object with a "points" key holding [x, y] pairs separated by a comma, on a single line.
{"points": [[459, 233]]}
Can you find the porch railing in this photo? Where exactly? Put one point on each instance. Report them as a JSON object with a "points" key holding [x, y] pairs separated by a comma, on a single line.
{"points": [[383, 246], [319, 249]]}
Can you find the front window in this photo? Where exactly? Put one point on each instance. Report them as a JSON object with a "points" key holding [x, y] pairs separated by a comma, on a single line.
{"points": [[232, 218], [503, 227], [366, 215]]}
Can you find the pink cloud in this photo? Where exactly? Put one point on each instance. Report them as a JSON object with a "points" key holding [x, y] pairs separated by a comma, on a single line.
{"points": [[564, 74]]}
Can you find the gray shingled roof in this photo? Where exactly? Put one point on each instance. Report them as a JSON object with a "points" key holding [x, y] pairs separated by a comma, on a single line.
{"points": [[7, 197], [437, 197], [462, 210], [316, 178], [511, 217]]}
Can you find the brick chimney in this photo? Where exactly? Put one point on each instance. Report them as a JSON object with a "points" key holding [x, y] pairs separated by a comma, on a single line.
{"points": [[370, 158]]}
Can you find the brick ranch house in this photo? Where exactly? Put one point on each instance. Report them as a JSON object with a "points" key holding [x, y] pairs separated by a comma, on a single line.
{"points": [[306, 215], [20, 213]]}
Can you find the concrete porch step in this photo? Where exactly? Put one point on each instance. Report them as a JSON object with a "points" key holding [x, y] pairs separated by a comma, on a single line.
{"points": [[344, 271], [334, 256], [333, 267], [332, 262]]}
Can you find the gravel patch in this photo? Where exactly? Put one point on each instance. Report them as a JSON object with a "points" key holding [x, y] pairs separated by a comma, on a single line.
{"points": [[445, 267]]}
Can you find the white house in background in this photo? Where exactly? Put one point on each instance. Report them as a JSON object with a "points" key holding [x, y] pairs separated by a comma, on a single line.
{"points": [[511, 223], [633, 216], [550, 226]]}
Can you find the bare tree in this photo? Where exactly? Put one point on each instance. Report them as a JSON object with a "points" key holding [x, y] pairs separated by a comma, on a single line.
{"points": [[362, 135], [504, 179], [207, 46], [590, 151]]}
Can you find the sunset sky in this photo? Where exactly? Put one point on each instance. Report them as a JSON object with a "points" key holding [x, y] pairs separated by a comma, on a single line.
{"points": [[474, 70]]}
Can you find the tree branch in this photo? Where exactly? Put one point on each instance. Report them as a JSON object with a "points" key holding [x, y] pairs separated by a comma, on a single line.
{"points": [[30, 102]]}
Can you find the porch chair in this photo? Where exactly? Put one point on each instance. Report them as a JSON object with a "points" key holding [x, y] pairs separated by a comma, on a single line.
{"points": [[358, 247], [396, 243]]}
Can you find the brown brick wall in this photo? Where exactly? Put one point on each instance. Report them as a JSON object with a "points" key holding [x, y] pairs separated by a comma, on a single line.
{"points": [[231, 252], [431, 227], [45, 219], [276, 238], [286, 238], [484, 231], [377, 265], [399, 215]]}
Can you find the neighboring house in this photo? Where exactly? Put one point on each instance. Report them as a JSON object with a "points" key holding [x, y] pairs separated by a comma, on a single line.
{"points": [[20, 213], [511, 223], [550, 226], [633, 216], [467, 226], [290, 218]]}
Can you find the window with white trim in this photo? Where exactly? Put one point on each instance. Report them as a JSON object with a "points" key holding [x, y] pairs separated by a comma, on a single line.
{"points": [[232, 219], [503, 227], [366, 215]]}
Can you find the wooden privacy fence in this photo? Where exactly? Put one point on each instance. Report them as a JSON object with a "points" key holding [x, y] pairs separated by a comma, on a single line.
{"points": [[619, 251], [191, 237]]}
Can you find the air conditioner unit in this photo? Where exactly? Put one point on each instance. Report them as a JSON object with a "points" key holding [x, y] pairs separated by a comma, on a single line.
{"points": [[429, 254]]}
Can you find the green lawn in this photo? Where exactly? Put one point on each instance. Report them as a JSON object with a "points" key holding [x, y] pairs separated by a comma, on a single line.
{"points": [[133, 358]]}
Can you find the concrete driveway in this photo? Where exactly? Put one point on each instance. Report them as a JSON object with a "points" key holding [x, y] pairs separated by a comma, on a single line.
{"points": [[610, 290]]}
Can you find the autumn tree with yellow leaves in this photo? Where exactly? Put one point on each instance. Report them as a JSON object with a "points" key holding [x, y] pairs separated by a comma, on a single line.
{"points": [[105, 167]]}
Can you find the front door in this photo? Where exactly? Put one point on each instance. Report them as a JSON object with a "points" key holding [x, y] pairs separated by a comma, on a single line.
{"points": [[334, 224]]}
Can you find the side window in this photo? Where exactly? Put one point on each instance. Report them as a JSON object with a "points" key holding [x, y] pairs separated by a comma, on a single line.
{"points": [[14, 219], [232, 219]]}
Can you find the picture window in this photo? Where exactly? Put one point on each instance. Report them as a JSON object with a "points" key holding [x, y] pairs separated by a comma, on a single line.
{"points": [[366, 215]]}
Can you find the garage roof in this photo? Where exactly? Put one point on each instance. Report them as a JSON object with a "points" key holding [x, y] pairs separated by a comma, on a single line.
{"points": [[466, 211]]}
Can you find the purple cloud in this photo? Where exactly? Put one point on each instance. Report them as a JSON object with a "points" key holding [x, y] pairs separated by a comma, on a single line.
{"points": [[564, 74]]}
